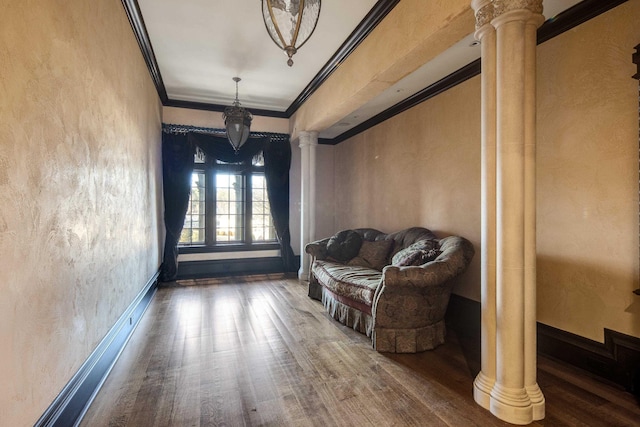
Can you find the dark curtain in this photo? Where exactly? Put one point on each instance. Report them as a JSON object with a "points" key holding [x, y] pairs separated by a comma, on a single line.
{"points": [[177, 167], [277, 162]]}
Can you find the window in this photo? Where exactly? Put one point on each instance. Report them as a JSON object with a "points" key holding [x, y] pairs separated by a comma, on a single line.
{"points": [[228, 205]]}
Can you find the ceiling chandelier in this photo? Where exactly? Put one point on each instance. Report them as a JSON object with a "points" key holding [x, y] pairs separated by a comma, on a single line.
{"points": [[290, 23], [237, 121]]}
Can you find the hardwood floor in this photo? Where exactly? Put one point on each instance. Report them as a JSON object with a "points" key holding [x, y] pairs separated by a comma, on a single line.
{"points": [[257, 351]]}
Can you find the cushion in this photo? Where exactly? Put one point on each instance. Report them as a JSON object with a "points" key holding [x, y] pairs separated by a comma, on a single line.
{"points": [[344, 245], [373, 254], [418, 253]]}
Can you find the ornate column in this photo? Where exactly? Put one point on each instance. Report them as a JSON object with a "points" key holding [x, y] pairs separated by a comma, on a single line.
{"points": [[507, 383], [486, 34], [308, 143]]}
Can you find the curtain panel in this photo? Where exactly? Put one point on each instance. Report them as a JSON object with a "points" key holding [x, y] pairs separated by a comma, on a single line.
{"points": [[177, 154]]}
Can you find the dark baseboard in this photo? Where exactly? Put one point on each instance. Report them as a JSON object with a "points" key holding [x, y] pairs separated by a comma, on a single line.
{"points": [[230, 267], [69, 407], [616, 361]]}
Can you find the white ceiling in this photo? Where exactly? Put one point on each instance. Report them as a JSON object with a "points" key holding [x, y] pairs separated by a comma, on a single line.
{"points": [[200, 45]]}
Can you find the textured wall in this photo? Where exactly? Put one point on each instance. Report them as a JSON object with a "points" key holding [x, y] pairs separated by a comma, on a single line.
{"points": [[588, 177], [213, 119], [423, 168], [80, 192], [420, 168]]}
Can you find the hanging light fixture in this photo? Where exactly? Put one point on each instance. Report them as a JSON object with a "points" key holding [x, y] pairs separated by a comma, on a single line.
{"points": [[290, 23], [237, 121]]}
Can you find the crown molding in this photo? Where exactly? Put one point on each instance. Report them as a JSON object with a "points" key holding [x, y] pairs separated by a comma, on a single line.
{"points": [[368, 23], [564, 21], [574, 16], [217, 107], [132, 8], [553, 27]]}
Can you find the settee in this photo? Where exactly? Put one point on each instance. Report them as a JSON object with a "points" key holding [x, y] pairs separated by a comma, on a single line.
{"points": [[394, 287]]}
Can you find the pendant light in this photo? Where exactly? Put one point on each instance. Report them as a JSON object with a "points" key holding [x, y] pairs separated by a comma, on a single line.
{"points": [[237, 121], [290, 23]]}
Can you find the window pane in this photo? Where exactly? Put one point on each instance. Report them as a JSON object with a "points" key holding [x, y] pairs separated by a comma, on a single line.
{"points": [[229, 207], [194, 224], [261, 223]]}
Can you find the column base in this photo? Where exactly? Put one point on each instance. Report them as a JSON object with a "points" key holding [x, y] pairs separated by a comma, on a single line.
{"points": [[482, 387], [537, 401], [515, 406]]}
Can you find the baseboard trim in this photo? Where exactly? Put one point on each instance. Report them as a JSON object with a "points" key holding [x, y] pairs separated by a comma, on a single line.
{"points": [[70, 405], [230, 267], [616, 361]]}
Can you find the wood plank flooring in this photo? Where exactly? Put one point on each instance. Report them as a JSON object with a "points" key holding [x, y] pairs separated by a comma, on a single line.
{"points": [[256, 351]]}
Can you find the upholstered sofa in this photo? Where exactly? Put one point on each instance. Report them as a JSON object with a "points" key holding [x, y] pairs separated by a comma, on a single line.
{"points": [[395, 287]]}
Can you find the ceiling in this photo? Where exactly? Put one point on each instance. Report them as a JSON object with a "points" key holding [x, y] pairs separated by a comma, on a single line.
{"points": [[200, 45]]}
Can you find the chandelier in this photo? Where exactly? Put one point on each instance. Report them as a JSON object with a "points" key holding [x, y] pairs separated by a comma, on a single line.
{"points": [[290, 23], [237, 121]]}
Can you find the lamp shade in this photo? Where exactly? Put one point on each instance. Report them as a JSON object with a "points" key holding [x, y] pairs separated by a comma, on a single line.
{"points": [[290, 23], [237, 121]]}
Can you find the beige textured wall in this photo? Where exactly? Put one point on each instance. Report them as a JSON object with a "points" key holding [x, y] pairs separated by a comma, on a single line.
{"points": [[420, 168], [80, 191], [423, 168], [213, 119], [588, 177]]}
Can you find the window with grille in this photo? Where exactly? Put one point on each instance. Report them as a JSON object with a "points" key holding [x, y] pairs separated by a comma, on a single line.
{"points": [[228, 205]]}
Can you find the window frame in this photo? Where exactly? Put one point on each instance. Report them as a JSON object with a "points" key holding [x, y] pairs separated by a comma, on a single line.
{"points": [[246, 170]]}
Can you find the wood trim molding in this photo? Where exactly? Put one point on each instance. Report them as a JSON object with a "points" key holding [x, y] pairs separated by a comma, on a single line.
{"points": [[230, 267], [132, 8], [565, 21], [70, 405], [370, 21], [574, 16], [617, 360], [463, 74]]}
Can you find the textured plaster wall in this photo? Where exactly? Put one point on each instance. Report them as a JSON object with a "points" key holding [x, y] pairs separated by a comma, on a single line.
{"points": [[213, 119], [588, 177], [423, 168], [420, 168], [80, 190]]}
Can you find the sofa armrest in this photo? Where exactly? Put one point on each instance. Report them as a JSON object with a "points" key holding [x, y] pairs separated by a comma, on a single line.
{"points": [[456, 254], [417, 296], [317, 249]]}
